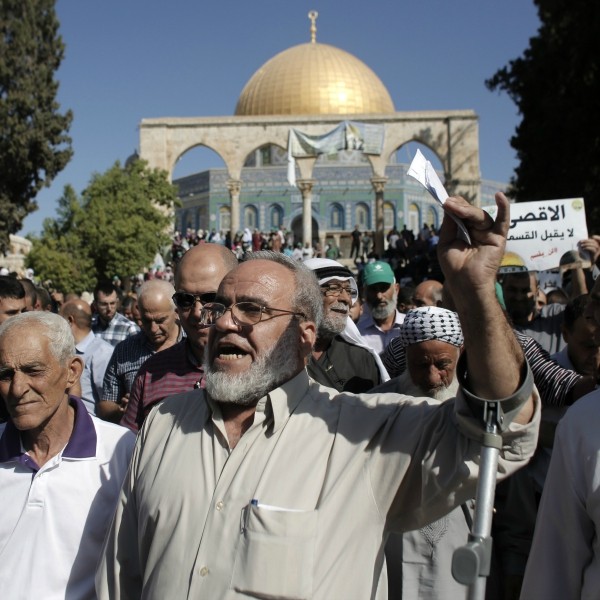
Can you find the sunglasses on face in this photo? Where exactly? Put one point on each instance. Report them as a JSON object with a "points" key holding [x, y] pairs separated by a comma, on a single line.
{"points": [[186, 300]]}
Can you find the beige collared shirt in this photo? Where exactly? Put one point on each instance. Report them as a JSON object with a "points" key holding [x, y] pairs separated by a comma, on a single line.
{"points": [[301, 507]]}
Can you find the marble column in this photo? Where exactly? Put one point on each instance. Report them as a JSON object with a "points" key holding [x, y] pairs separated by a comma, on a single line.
{"points": [[378, 184], [234, 186], [305, 186]]}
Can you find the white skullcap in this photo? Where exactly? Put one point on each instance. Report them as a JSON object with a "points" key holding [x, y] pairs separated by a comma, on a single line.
{"points": [[431, 323]]}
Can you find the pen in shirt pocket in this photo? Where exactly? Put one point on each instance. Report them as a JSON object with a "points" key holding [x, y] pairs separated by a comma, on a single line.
{"points": [[246, 514]]}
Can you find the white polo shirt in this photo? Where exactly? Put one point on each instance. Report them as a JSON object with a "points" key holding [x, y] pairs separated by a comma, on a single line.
{"points": [[54, 519]]}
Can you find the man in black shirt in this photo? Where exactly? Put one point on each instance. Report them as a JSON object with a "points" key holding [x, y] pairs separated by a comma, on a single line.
{"points": [[339, 359]]}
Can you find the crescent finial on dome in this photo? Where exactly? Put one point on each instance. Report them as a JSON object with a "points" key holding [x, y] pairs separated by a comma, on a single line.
{"points": [[312, 15]]}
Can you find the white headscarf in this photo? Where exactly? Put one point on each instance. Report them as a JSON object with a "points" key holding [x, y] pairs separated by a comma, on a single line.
{"points": [[326, 269]]}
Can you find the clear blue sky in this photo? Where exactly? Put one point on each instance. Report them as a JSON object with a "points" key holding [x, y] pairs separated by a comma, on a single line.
{"points": [[135, 59]]}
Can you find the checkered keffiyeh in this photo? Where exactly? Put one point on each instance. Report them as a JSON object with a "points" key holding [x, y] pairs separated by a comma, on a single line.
{"points": [[431, 323]]}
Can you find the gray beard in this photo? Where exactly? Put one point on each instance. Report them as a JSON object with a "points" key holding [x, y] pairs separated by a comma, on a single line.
{"points": [[383, 312], [331, 325], [406, 385], [268, 372]]}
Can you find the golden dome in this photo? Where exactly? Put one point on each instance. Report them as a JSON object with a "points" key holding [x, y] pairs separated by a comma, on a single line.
{"points": [[314, 79]]}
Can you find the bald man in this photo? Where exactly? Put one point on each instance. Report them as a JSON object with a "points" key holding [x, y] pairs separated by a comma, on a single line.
{"points": [[160, 330], [179, 369], [94, 351], [428, 293]]}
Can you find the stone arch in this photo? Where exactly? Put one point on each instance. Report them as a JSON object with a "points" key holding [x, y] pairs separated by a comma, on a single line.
{"points": [[296, 227], [452, 135], [406, 152], [193, 191], [318, 223], [188, 153]]}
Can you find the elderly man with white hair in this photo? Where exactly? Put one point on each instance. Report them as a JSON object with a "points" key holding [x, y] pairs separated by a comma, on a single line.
{"points": [[419, 562], [340, 359], [432, 339], [61, 469]]}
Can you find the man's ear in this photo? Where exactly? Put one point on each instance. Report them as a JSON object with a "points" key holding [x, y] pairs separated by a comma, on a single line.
{"points": [[308, 336], [74, 370]]}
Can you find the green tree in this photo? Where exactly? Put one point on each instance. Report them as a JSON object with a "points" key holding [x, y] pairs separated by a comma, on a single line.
{"points": [[58, 254], [555, 86], [34, 145], [115, 228]]}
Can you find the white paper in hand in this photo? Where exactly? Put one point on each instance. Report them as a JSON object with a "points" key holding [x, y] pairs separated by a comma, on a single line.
{"points": [[422, 170]]}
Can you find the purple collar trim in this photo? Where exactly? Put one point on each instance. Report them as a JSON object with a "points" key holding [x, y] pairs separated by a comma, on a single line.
{"points": [[81, 444]]}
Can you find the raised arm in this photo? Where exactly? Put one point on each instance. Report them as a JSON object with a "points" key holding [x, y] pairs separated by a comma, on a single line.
{"points": [[495, 362]]}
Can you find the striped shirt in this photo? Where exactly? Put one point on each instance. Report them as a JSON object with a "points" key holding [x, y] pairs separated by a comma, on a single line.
{"points": [[175, 370], [128, 357]]}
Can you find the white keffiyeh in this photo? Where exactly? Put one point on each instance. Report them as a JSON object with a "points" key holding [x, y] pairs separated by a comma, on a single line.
{"points": [[326, 270]]}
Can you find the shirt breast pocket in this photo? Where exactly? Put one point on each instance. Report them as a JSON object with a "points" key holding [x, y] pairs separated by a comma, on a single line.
{"points": [[275, 556]]}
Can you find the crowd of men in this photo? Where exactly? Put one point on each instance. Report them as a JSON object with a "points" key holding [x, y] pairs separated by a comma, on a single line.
{"points": [[281, 428], [413, 257]]}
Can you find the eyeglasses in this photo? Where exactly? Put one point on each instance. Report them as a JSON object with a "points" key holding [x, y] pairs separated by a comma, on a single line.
{"points": [[334, 289], [242, 313], [186, 300]]}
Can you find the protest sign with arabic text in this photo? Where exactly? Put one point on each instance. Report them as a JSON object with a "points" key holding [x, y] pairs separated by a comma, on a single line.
{"points": [[541, 232]]}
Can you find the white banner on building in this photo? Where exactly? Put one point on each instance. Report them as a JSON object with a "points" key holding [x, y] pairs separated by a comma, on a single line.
{"points": [[348, 135], [541, 232]]}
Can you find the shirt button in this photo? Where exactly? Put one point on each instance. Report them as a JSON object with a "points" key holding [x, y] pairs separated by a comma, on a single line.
{"points": [[219, 505], [204, 571]]}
